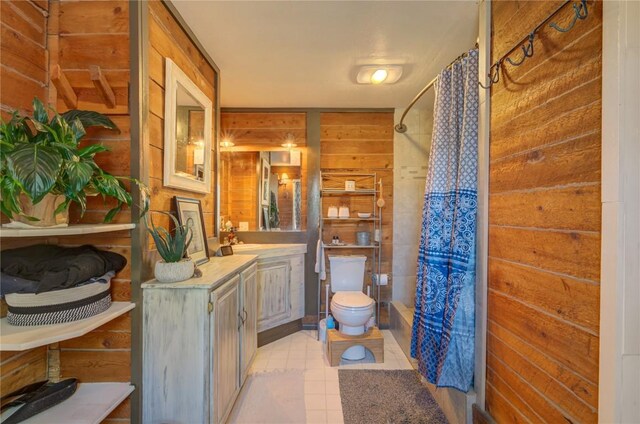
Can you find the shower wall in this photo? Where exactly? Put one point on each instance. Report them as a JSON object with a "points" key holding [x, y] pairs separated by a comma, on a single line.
{"points": [[544, 220], [411, 155]]}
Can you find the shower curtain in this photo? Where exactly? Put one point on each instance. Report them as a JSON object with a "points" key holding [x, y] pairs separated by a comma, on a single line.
{"points": [[443, 324]]}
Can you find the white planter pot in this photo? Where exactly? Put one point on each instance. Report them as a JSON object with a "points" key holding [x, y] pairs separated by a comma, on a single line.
{"points": [[173, 272]]}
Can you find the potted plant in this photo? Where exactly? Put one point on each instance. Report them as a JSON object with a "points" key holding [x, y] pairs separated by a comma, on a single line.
{"points": [[174, 266], [43, 168]]}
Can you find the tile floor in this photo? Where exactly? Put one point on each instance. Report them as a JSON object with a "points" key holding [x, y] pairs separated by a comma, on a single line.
{"points": [[301, 351]]}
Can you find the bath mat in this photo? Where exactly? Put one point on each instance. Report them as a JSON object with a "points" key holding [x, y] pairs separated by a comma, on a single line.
{"points": [[274, 397], [387, 396]]}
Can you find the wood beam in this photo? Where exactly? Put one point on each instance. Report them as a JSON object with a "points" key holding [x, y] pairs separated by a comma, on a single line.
{"points": [[64, 88], [102, 85]]}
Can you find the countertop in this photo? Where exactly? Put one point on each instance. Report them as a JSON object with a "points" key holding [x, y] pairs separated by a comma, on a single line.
{"points": [[214, 272], [270, 250]]}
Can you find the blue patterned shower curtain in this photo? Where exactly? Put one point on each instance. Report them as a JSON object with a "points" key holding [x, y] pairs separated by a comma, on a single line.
{"points": [[443, 324]]}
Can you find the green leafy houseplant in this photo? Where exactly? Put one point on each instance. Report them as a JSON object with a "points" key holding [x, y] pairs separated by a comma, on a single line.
{"points": [[41, 155], [172, 248]]}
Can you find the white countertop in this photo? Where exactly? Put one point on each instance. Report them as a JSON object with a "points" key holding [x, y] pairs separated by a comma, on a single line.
{"points": [[214, 272], [270, 250]]}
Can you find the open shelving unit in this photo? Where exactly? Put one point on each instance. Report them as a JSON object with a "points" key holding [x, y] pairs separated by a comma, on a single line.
{"points": [[332, 184], [92, 402], [71, 230], [17, 338]]}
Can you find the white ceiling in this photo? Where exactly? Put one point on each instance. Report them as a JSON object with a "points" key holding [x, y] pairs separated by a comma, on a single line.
{"points": [[306, 53]]}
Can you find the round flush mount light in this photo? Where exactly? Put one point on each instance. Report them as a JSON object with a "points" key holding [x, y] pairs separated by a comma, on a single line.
{"points": [[379, 74], [226, 143]]}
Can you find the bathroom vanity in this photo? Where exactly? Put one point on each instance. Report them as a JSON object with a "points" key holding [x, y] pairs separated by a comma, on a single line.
{"points": [[199, 338], [280, 282]]}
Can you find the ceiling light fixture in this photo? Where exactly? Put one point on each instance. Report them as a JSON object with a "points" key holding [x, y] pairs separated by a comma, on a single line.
{"points": [[226, 143], [379, 74], [289, 142]]}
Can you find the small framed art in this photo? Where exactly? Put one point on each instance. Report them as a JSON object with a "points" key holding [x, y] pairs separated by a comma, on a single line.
{"points": [[191, 209]]}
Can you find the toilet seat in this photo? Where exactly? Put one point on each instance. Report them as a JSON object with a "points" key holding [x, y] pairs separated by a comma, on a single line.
{"points": [[351, 300]]}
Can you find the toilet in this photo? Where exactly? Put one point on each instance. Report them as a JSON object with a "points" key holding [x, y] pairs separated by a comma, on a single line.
{"points": [[349, 305]]}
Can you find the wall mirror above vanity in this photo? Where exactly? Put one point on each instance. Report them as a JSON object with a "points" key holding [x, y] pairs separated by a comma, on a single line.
{"points": [[187, 133], [262, 171], [262, 190]]}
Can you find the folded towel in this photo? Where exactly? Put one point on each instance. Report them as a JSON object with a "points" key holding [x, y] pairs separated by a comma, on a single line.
{"points": [[320, 268]]}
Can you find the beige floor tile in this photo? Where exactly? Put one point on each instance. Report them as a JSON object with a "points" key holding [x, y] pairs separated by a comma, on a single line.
{"points": [[317, 387], [314, 375], [312, 402], [334, 403], [335, 417], [316, 417]]}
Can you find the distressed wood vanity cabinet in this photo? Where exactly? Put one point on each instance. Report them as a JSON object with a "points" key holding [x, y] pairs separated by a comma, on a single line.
{"points": [[199, 338], [280, 282]]}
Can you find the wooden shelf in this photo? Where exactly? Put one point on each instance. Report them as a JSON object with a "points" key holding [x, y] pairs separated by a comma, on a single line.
{"points": [[350, 219], [90, 404], [348, 192], [351, 246], [22, 338], [64, 231]]}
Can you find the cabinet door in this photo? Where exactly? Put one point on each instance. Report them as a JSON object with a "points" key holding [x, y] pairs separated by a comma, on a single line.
{"points": [[274, 293], [249, 333], [226, 325]]}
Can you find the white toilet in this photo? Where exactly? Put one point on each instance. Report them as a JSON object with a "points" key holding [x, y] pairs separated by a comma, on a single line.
{"points": [[349, 305]]}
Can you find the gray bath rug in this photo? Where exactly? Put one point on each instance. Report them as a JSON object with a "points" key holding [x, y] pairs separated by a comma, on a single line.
{"points": [[271, 397], [387, 396]]}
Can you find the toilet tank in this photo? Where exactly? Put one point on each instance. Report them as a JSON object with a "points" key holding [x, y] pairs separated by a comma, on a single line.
{"points": [[347, 272]]}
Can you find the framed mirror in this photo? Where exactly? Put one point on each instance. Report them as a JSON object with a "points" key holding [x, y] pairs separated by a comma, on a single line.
{"points": [[261, 190], [187, 132]]}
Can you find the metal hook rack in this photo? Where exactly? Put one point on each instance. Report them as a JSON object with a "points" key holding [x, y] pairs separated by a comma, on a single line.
{"points": [[580, 13]]}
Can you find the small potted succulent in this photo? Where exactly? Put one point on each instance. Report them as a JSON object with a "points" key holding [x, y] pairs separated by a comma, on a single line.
{"points": [[175, 266], [43, 167]]}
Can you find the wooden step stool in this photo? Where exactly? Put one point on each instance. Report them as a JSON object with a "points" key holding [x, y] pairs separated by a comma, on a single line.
{"points": [[337, 343]]}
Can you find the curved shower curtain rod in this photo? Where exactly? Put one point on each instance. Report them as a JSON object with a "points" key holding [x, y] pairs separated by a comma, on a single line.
{"points": [[402, 128], [580, 13]]}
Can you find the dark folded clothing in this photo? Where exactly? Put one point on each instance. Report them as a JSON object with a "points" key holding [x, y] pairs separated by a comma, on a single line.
{"points": [[10, 284], [57, 267]]}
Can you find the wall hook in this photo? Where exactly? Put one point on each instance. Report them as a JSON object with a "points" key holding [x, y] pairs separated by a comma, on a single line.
{"points": [[494, 75], [527, 51], [580, 12]]}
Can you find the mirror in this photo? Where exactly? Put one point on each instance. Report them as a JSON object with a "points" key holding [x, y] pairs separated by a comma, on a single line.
{"points": [[261, 190], [187, 133]]}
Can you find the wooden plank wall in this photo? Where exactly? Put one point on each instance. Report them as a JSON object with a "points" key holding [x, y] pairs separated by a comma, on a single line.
{"points": [[168, 40], [360, 143], [23, 76], [253, 132], [23, 47], [80, 35], [544, 220], [239, 200], [76, 35]]}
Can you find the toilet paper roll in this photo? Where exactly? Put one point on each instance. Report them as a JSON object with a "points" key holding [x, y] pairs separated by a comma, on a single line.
{"points": [[382, 279]]}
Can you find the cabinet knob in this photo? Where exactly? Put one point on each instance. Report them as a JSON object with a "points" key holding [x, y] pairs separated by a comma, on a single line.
{"points": [[210, 307]]}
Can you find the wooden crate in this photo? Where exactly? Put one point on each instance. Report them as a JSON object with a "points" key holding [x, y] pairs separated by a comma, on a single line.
{"points": [[337, 343]]}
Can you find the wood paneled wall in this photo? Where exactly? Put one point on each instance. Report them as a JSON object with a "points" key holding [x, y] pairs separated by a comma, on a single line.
{"points": [[168, 40], [239, 200], [544, 220], [23, 47], [253, 132], [75, 35], [23, 76], [360, 143]]}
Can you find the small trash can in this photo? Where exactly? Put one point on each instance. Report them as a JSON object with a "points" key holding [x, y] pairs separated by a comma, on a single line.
{"points": [[322, 328]]}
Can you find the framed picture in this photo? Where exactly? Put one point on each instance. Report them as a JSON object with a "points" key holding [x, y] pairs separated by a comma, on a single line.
{"points": [[264, 182], [265, 218], [191, 209]]}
